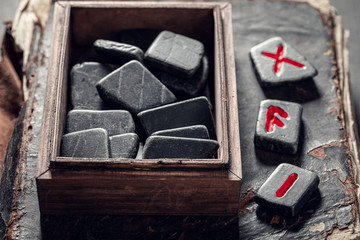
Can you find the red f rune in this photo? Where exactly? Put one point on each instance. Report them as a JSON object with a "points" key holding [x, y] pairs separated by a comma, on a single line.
{"points": [[272, 120]]}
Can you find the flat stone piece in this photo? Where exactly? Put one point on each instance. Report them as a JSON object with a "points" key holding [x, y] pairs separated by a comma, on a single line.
{"points": [[287, 189], [195, 111], [90, 143], [197, 131], [83, 80], [275, 62], [117, 53], [191, 87], [175, 53], [133, 87], [115, 122], [124, 145], [278, 126], [141, 37], [177, 147]]}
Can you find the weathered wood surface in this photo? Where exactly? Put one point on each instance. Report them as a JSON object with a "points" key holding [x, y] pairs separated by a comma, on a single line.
{"points": [[324, 149], [331, 213]]}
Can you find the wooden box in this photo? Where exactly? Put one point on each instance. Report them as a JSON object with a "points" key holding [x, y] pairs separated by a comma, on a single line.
{"points": [[136, 186]]}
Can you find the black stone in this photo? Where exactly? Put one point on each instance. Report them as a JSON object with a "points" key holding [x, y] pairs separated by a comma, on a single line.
{"points": [[177, 147], [278, 126], [133, 87], [195, 111], [290, 203], [276, 62], [124, 145], [90, 143], [197, 131], [187, 87], [83, 91], [175, 54], [141, 37], [115, 122], [117, 53]]}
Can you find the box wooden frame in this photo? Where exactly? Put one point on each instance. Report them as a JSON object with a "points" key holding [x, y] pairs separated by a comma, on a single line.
{"points": [[137, 186]]}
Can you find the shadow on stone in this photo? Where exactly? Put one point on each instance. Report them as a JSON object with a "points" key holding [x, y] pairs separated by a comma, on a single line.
{"points": [[301, 91], [274, 158], [291, 223]]}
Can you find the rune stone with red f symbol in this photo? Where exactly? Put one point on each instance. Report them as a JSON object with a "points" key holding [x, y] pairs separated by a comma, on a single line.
{"points": [[278, 126], [275, 62]]}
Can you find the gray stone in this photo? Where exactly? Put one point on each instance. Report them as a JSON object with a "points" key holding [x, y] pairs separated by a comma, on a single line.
{"points": [[90, 143], [197, 131], [83, 91], [195, 111], [117, 53], [285, 193], [177, 147], [187, 87], [175, 54], [115, 122], [124, 145], [278, 126], [133, 87], [276, 62]]}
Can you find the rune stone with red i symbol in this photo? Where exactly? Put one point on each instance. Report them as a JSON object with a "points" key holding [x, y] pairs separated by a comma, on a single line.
{"points": [[287, 189], [278, 126], [275, 62]]}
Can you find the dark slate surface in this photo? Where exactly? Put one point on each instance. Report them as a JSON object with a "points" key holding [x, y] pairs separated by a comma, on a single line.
{"points": [[180, 114], [300, 26], [278, 126], [179, 147], [175, 53], [113, 121], [287, 189], [90, 143], [196, 131], [124, 145], [117, 53], [83, 91], [331, 206], [187, 87], [134, 88], [273, 70]]}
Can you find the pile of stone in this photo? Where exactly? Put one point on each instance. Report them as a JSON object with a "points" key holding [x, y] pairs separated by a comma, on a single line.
{"points": [[131, 104]]}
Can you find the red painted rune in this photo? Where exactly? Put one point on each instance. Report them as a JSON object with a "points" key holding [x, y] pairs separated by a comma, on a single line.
{"points": [[279, 59], [272, 120], [290, 181]]}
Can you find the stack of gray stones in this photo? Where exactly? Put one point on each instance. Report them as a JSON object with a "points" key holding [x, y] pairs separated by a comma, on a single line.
{"points": [[130, 104]]}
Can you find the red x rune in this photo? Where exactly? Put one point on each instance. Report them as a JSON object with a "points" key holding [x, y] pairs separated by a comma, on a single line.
{"points": [[279, 59]]}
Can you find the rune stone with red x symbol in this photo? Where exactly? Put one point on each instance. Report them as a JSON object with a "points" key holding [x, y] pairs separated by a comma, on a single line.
{"points": [[279, 59], [276, 62]]}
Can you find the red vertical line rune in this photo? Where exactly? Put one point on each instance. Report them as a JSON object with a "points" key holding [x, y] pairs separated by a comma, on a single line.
{"points": [[284, 188]]}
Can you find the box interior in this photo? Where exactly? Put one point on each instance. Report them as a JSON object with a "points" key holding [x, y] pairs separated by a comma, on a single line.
{"points": [[89, 24]]}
